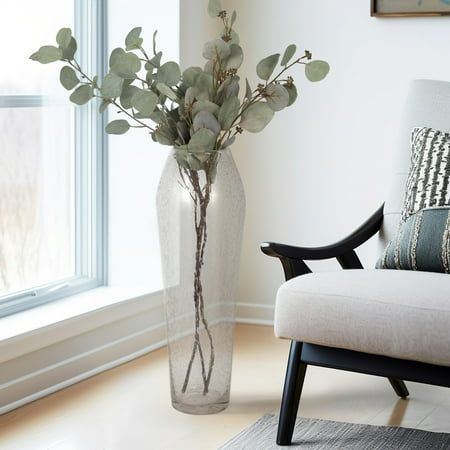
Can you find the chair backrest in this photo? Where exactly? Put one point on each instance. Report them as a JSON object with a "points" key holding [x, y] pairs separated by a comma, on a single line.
{"points": [[427, 105]]}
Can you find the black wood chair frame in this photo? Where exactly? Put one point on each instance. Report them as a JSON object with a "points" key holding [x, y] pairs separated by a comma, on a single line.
{"points": [[303, 354]]}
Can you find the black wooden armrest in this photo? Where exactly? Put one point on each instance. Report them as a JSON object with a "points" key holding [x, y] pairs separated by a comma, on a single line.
{"points": [[292, 257]]}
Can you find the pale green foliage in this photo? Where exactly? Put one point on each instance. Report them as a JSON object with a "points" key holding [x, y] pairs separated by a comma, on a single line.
{"points": [[316, 70], [198, 110], [117, 127], [68, 78]]}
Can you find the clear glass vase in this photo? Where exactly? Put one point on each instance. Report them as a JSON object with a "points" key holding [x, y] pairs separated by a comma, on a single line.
{"points": [[201, 207]]}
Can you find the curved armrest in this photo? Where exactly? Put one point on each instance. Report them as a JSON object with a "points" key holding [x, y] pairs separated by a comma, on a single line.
{"points": [[338, 250]]}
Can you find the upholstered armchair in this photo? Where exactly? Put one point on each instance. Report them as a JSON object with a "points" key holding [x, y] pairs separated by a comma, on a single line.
{"points": [[389, 323]]}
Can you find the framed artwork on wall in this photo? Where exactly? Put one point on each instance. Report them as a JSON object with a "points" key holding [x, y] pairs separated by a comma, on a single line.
{"points": [[404, 8]]}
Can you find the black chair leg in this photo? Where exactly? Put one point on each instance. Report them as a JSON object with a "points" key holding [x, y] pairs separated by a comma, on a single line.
{"points": [[293, 384], [399, 387]]}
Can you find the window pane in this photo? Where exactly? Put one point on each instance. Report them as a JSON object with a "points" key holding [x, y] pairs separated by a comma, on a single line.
{"points": [[36, 197], [25, 26]]}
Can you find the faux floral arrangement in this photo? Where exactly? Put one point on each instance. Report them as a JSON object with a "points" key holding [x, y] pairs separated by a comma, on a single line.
{"points": [[198, 112]]}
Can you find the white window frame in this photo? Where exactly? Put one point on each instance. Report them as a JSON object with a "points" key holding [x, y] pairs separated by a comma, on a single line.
{"points": [[90, 170]]}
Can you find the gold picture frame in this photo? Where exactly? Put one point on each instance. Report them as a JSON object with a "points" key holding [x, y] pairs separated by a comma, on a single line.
{"points": [[418, 8]]}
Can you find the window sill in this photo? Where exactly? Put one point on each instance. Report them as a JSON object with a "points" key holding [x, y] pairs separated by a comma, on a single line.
{"points": [[57, 344]]}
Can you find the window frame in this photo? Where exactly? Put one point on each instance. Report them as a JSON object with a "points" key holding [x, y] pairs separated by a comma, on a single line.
{"points": [[90, 165]]}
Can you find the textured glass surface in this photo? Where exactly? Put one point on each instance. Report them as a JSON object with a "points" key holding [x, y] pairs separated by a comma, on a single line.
{"points": [[36, 197], [200, 215]]}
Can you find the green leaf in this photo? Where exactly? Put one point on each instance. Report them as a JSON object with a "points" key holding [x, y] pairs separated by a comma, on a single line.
{"points": [[232, 38], [154, 41], [144, 101], [111, 86], [228, 112], [216, 50], [205, 105], [127, 93], [164, 136], [124, 64], [204, 86], [103, 105], [169, 74], [202, 140], [133, 40], [82, 94], [191, 74], [316, 70], [165, 90], [155, 62], [47, 54], [68, 78], [204, 119], [70, 50], [63, 37], [256, 117], [117, 127], [248, 90], [233, 18], [265, 67], [288, 54], [292, 91], [236, 57], [214, 8], [277, 97]]}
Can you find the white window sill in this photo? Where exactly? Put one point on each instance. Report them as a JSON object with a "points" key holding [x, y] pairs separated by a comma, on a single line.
{"points": [[55, 321]]}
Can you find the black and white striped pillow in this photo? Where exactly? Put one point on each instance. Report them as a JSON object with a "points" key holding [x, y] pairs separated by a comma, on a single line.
{"points": [[429, 176], [422, 241]]}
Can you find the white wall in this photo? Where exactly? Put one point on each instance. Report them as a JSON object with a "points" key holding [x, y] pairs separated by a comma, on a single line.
{"points": [[320, 167]]}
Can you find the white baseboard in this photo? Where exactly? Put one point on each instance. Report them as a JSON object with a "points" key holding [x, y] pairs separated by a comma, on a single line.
{"points": [[91, 351]]}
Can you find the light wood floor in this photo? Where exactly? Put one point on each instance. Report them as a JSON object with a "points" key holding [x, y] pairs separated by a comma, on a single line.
{"points": [[128, 408]]}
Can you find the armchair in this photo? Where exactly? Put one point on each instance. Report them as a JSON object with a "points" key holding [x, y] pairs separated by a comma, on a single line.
{"points": [[389, 323]]}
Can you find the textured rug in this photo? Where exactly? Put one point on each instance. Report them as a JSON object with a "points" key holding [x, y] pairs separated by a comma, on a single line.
{"points": [[315, 434]]}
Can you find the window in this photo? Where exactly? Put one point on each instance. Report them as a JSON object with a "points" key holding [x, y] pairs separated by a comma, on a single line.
{"points": [[52, 159]]}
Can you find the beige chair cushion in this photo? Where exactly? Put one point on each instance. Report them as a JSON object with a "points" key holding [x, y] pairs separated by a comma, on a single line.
{"points": [[397, 313]]}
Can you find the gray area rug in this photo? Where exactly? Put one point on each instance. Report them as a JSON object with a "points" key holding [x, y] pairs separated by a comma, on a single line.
{"points": [[315, 434]]}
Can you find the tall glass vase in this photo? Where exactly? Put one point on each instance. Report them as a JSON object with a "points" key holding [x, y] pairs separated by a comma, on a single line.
{"points": [[201, 206]]}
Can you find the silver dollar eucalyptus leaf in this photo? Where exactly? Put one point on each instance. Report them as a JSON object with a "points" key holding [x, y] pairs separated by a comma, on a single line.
{"points": [[256, 117], [204, 86], [288, 54], [266, 66], [47, 54], [164, 136], [155, 62], [214, 8], [229, 142], [216, 50], [127, 93], [68, 78], [233, 18], [316, 70], [124, 64], [248, 90], [228, 112], [191, 74], [183, 131], [82, 94], [202, 140], [204, 119], [292, 91], [144, 101], [70, 50], [111, 86], [234, 61], [63, 37], [165, 90], [169, 74], [189, 97], [205, 105], [232, 38], [133, 41], [117, 127], [103, 105], [277, 97], [209, 67]]}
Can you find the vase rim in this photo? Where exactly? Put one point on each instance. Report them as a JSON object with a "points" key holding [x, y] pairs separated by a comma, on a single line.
{"points": [[196, 152]]}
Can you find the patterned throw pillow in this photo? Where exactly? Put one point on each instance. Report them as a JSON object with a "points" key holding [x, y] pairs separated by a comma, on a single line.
{"points": [[423, 238]]}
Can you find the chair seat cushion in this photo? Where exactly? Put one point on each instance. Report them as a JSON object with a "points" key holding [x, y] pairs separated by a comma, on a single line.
{"points": [[401, 314]]}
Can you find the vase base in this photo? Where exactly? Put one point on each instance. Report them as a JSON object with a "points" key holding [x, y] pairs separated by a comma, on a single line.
{"points": [[195, 404]]}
